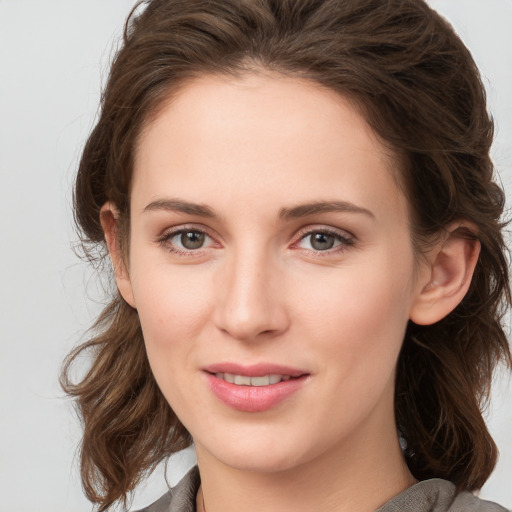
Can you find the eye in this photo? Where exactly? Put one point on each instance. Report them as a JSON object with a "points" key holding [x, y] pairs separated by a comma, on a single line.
{"points": [[324, 240], [321, 241], [189, 239], [185, 240]]}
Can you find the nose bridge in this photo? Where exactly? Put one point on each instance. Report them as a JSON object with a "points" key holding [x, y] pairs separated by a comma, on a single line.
{"points": [[251, 302]]}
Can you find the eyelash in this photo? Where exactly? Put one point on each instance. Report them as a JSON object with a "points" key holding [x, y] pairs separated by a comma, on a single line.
{"points": [[344, 241]]}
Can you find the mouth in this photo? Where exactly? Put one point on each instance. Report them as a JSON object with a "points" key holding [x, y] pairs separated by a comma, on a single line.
{"points": [[245, 380], [254, 388]]}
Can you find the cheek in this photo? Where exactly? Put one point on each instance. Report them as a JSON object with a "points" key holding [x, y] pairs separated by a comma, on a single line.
{"points": [[359, 315], [173, 305], [173, 310]]}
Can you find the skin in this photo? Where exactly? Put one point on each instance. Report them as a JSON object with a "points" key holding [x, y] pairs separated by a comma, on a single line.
{"points": [[258, 290]]}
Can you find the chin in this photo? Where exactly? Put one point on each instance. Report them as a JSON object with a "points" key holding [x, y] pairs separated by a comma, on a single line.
{"points": [[260, 463], [259, 454]]}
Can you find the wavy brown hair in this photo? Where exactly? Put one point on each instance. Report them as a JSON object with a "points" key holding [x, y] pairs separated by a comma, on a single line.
{"points": [[419, 88]]}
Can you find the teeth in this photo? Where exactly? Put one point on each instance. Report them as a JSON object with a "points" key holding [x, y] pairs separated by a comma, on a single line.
{"points": [[244, 380], [261, 381], [274, 379]]}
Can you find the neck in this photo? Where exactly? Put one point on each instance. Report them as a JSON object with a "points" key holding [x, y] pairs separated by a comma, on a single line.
{"points": [[360, 475]]}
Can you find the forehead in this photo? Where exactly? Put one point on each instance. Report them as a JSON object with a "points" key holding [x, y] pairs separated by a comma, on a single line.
{"points": [[257, 133], [278, 103]]}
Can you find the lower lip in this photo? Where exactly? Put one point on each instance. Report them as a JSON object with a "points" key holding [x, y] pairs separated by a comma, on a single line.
{"points": [[253, 398]]}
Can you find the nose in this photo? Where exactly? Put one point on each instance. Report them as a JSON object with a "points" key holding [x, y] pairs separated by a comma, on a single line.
{"points": [[251, 301]]}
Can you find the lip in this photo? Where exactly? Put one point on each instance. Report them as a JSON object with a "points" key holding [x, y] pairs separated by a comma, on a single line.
{"points": [[254, 398], [254, 370]]}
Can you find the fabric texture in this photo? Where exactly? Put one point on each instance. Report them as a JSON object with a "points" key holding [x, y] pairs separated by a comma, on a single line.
{"points": [[435, 495]]}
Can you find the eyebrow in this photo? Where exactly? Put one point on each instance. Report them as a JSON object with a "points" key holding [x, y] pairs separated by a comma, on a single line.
{"points": [[303, 210], [178, 205]]}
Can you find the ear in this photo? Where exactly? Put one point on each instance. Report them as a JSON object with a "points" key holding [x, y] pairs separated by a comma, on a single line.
{"points": [[109, 218], [448, 275]]}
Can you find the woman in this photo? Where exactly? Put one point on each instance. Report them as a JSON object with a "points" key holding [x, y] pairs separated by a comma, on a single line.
{"points": [[298, 202]]}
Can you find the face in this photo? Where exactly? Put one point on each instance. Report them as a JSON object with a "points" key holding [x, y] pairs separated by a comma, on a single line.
{"points": [[271, 265]]}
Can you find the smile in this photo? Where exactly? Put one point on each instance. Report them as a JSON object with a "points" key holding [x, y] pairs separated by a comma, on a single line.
{"points": [[254, 388], [244, 380]]}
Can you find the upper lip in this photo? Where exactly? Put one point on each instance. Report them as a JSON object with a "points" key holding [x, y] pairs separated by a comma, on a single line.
{"points": [[254, 370]]}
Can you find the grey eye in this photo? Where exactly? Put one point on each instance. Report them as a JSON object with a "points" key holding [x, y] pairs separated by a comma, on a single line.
{"points": [[322, 241], [192, 239]]}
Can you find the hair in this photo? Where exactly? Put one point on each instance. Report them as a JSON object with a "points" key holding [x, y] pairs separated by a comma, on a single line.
{"points": [[419, 89]]}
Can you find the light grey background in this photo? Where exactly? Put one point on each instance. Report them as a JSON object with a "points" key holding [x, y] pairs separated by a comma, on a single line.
{"points": [[53, 57]]}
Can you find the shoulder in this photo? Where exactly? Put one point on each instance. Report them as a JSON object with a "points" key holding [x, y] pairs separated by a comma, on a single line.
{"points": [[437, 495], [181, 498], [467, 501]]}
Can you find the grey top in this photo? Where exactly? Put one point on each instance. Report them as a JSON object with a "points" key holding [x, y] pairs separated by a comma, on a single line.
{"points": [[435, 495]]}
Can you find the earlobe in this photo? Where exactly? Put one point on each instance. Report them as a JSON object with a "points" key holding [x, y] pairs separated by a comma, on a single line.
{"points": [[449, 273], [109, 218]]}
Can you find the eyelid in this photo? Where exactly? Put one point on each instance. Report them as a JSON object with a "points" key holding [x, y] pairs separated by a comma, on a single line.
{"points": [[185, 227], [323, 228]]}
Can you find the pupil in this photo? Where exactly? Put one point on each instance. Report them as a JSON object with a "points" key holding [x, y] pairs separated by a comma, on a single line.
{"points": [[321, 241], [192, 240]]}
